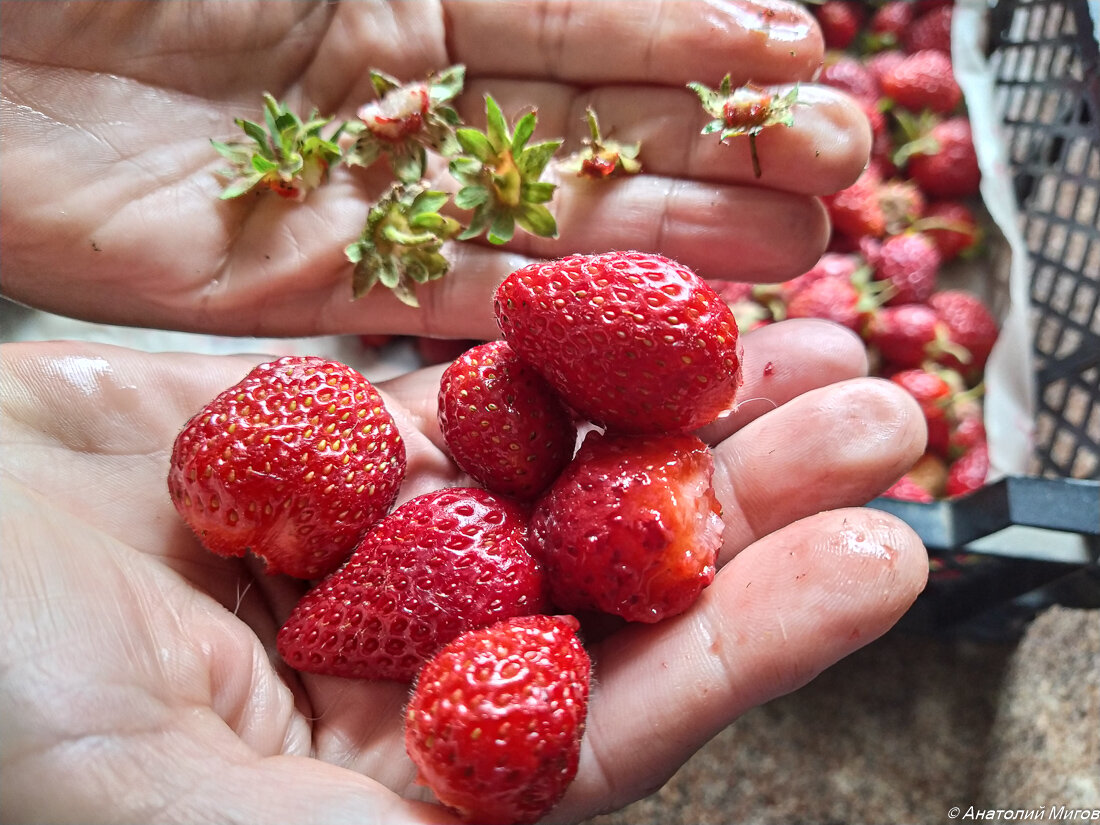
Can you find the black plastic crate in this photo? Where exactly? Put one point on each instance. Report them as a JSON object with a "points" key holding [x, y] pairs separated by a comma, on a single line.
{"points": [[1045, 61]]}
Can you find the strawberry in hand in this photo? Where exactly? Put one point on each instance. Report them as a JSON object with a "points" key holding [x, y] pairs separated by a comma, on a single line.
{"points": [[632, 341], [294, 463], [438, 565], [496, 719], [632, 527]]}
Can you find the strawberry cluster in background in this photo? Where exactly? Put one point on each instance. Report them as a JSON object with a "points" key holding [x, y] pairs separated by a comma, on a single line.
{"points": [[901, 232]]}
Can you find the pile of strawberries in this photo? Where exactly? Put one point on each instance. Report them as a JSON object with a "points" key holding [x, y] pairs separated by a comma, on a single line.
{"points": [[900, 230], [594, 498]]}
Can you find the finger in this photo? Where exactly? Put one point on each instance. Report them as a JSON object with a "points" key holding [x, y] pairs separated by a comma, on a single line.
{"points": [[823, 151], [783, 361], [637, 41], [789, 606], [837, 446]]}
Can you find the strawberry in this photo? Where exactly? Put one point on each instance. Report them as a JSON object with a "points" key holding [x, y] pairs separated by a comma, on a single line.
{"points": [[970, 326], [902, 204], [953, 228], [968, 432], [849, 74], [856, 211], [907, 488], [880, 63], [889, 22], [840, 21], [943, 162], [934, 391], [829, 265], [968, 472], [631, 527], [631, 341], [440, 564], [923, 80], [931, 29], [847, 301], [285, 154], [903, 334], [496, 719], [295, 463], [502, 423], [908, 262]]}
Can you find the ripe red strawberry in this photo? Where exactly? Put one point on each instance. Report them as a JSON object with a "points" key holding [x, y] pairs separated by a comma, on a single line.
{"points": [[953, 228], [855, 211], [968, 432], [880, 63], [968, 472], [496, 720], [908, 262], [295, 463], [923, 80], [440, 564], [930, 30], [843, 300], [841, 22], [933, 391], [829, 265], [502, 423], [945, 165], [632, 527], [903, 334], [925, 481], [970, 326], [848, 73], [632, 341]]}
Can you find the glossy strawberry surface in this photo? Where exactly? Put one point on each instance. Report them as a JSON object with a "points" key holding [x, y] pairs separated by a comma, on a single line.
{"points": [[440, 564], [295, 463], [496, 719], [502, 423], [632, 341], [632, 527]]}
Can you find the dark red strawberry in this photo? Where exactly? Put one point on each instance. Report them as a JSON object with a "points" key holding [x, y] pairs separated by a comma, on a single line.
{"points": [[841, 22], [440, 564], [908, 262], [970, 326], [502, 423], [953, 228], [930, 30], [923, 80], [632, 527], [496, 721], [295, 463], [632, 341], [945, 165], [968, 473]]}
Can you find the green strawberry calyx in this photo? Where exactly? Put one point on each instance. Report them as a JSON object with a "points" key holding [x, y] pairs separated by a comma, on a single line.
{"points": [[746, 110], [406, 121], [601, 157], [285, 154], [500, 177], [402, 241]]}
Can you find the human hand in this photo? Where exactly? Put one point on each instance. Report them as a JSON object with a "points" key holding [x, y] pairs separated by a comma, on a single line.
{"points": [[111, 212], [139, 676]]}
